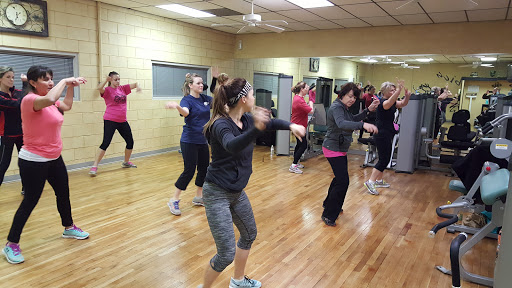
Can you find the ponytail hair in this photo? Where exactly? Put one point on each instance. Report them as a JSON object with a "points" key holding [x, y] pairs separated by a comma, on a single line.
{"points": [[189, 79], [112, 74], [299, 86], [226, 96]]}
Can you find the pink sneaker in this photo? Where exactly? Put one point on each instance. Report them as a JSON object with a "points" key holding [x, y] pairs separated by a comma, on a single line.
{"points": [[93, 171], [128, 165]]}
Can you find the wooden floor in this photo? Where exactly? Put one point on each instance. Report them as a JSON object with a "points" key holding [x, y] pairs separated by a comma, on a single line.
{"points": [[380, 241]]}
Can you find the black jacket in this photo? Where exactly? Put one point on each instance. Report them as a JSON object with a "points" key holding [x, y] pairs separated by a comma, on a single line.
{"points": [[10, 117]]}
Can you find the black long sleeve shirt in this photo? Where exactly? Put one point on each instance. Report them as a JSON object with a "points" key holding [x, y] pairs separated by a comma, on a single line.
{"points": [[232, 149], [10, 117]]}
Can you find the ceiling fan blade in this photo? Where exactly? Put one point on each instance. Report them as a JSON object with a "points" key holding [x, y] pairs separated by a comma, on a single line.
{"points": [[273, 21], [221, 25], [473, 2], [241, 29], [271, 28], [407, 3]]}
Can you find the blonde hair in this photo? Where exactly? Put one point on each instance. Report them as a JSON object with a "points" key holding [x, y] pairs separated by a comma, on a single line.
{"points": [[189, 79], [223, 77], [5, 69], [386, 86]]}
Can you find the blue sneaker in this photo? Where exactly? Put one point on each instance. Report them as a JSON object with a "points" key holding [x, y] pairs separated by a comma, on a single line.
{"points": [[75, 232], [246, 282], [12, 253]]}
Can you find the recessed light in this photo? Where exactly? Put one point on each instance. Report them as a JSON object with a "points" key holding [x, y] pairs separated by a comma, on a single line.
{"points": [[311, 3], [424, 60], [185, 10], [488, 59]]}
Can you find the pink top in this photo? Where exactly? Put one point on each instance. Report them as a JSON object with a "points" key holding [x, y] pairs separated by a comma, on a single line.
{"points": [[41, 129], [330, 154], [115, 99], [312, 96], [300, 111]]}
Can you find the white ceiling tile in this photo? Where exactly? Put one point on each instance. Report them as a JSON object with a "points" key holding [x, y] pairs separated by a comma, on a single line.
{"points": [[228, 29], [224, 20], [238, 5], [413, 19], [351, 23], [331, 12], [276, 5], [202, 5], [381, 21], [391, 6], [345, 2], [297, 26], [125, 3], [365, 10], [162, 12], [275, 16], [172, 1], [198, 21], [487, 15], [458, 5], [444, 17], [301, 15], [456, 59], [324, 24]]}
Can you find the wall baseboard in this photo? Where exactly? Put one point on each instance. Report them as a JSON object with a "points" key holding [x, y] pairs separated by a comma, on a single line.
{"points": [[85, 165]]}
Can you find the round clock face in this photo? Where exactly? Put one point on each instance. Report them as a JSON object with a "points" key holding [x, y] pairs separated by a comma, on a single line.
{"points": [[16, 14]]}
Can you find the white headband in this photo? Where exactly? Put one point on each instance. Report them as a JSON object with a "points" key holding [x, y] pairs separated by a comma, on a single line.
{"points": [[242, 93]]}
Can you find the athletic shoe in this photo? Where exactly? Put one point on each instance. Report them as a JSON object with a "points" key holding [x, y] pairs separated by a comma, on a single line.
{"points": [[23, 191], [300, 166], [381, 184], [371, 188], [128, 165], [198, 201], [246, 282], [295, 169], [329, 222], [175, 207], [93, 171], [12, 253], [75, 232]]}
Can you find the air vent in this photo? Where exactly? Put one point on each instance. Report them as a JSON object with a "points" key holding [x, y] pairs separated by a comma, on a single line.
{"points": [[223, 12]]}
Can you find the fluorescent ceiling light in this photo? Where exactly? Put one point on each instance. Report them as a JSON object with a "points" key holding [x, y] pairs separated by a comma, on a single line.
{"points": [[424, 59], [370, 60], [185, 10], [311, 3], [488, 59]]}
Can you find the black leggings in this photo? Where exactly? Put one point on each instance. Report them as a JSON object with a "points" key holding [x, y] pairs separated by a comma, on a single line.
{"points": [[338, 188], [384, 143], [194, 155], [6, 147], [33, 177], [300, 147], [110, 127]]}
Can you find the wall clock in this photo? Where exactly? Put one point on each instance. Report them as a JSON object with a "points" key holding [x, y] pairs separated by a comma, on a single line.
{"points": [[24, 16], [314, 64]]}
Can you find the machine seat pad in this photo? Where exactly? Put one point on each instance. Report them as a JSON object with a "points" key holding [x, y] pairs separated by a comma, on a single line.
{"points": [[456, 185], [457, 145], [494, 185], [366, 141]]}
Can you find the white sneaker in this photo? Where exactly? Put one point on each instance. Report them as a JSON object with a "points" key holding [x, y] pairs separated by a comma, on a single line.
{"points": [[381, 184], [300, 165], [295, 169], [371, 188], [174, 206]]}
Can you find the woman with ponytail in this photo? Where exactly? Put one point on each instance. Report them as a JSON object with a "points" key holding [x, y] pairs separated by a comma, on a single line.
{"points": [[231, 133], [115, 118], [195, 108], [300, 112]]}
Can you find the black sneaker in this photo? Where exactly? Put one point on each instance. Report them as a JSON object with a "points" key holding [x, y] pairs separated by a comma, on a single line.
{"points": [[328, 222]]}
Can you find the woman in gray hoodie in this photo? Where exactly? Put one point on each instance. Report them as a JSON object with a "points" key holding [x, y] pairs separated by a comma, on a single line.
{"points": [[340, 125]]}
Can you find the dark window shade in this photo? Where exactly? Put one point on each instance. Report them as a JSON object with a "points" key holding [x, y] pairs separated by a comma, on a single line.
{"points": [[62, 66], [168, 79], [267, 82]]}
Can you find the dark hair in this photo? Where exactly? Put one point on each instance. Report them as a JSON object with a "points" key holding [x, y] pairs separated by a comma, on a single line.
{"points": [[442, 90], [112, 74], [299, 86], [223, 94], [345, 89], [36, 72]]}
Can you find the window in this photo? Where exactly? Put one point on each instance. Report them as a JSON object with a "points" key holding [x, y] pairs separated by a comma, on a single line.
{"points": [[339, 83], [309, 80], [269, 82], [63, 65], [168, 79]]}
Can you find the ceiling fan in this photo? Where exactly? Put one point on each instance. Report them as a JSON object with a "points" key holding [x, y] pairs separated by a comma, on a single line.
{"points": [[254, 20], [414, 1], [404, 65], [478, 64]]}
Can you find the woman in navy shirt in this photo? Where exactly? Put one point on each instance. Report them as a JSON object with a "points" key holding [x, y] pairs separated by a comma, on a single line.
{"points": [[195, 107]]}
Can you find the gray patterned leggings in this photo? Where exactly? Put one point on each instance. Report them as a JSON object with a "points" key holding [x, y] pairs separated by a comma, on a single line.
{"points": [[222, 210]]}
